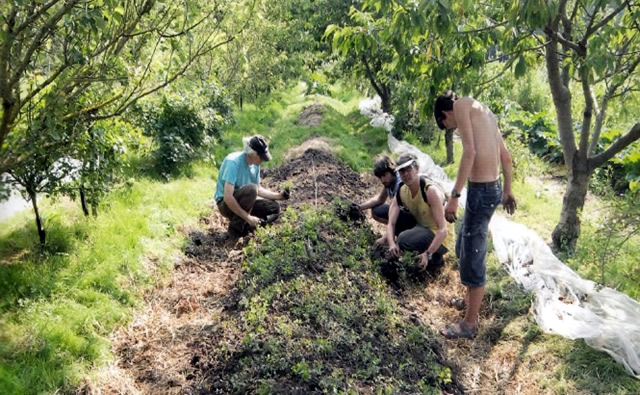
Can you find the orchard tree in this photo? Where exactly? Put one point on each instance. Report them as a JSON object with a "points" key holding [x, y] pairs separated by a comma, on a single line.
{"points": [[104, 53], [398, 47], [591, 49], [597, 44]]}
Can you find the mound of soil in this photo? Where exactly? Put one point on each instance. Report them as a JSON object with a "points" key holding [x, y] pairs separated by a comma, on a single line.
{"points": [[189, 326], [317, 178], [312, 115]]}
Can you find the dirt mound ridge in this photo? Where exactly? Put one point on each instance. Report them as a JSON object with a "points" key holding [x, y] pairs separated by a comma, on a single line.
{"points": [[312, 115], [317, 178], [190, 337]]}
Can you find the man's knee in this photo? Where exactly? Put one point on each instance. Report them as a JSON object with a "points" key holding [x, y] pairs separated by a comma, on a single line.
{"points": [[249, 191], [405, 241], [380, 213], [246, 195]]}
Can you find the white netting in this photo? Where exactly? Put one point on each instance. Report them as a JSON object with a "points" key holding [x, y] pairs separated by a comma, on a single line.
{"points": [[564, 303]]}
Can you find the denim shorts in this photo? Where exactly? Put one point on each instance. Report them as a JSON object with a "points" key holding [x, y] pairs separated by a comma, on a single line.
{"points": [[471, 245]]}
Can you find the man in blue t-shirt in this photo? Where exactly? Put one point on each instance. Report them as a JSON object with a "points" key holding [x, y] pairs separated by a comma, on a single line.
{"points": [[385, 169], [239, 196]]}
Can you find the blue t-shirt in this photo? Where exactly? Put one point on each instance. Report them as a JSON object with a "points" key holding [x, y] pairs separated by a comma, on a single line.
{"points": [[391, 191], [236, 171]]}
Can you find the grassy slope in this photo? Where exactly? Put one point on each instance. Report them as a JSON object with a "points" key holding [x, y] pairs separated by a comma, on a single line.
{"points": [[58, 308]]}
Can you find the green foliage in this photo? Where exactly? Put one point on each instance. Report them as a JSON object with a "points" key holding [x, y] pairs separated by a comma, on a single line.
{"points": [[104, 55], [537, 130], [179, 132], [101, 151], [316, 318], [605, 252], [622, 173]]}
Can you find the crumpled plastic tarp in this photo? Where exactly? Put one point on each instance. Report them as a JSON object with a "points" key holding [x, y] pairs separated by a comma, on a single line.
{"points": [[564, 303]]}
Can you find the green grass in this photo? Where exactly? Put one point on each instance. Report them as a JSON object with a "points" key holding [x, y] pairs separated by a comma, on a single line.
{"points": [[355, 141], [59, 304]]}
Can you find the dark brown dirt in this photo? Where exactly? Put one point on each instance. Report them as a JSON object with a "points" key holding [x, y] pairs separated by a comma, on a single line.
{"points": [[317, 178]]}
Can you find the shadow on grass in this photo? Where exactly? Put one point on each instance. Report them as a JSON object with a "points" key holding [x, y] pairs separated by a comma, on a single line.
{"points": [[27, 268], [597, 372]]}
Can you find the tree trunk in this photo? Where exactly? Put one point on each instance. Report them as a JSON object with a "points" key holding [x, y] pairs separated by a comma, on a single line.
{"points": [[448, 141], [41, 232], [385, 97], [566, 233], [83, 201], [94, 210]]}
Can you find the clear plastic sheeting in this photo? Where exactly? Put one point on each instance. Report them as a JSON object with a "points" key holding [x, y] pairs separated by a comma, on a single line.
{"points": [[564, 303], [371, 108]]}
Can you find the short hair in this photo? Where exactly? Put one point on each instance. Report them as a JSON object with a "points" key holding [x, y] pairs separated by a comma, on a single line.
{"points": [[443, 103], [384, 164]]}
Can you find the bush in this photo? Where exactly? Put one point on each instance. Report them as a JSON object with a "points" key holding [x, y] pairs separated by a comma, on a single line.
{"points": [[217, 112], [537, 130], [179, 132], [407, 116]]}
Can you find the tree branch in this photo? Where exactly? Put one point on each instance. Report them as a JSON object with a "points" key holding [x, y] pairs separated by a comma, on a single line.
{"points": [[604, 20], [617, 146], [133, 99], [588, 111], [34, 16], [36, 41]]}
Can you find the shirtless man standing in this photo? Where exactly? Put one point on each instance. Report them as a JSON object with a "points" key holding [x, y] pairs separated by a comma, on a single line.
{"points": [[483, 153]]}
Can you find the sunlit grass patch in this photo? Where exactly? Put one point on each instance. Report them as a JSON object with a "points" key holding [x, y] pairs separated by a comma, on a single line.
{"points": [[60, 303]]}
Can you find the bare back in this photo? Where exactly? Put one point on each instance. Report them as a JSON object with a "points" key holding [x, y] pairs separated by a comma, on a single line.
{"points": [[486, 140]]}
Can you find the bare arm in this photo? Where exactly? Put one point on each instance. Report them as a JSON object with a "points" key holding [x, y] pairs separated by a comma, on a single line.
{"points": [[508, 199], [375, 201], [394, 211], [269, 194], [234, 206], [436, 200]]}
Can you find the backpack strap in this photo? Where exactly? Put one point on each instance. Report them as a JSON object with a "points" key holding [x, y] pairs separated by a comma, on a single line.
{"points": [[398, 198], [423, 184], [423, 189]]}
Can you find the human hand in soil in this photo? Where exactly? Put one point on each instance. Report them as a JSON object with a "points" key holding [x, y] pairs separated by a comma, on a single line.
{"points": [[285, 194], [394, 250], [252, 221], [509, 203], [424, 261], [380, 241]]}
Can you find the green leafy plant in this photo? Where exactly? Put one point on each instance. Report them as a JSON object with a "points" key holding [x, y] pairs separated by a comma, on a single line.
{"points": [[179, 132]]}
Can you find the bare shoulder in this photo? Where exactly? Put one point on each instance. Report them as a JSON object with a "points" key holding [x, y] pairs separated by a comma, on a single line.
{"points": [[465, 104], [434, 194]]}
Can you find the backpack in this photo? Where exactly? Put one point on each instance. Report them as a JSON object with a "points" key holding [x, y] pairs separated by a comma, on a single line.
{"points": [[423, 189]]}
